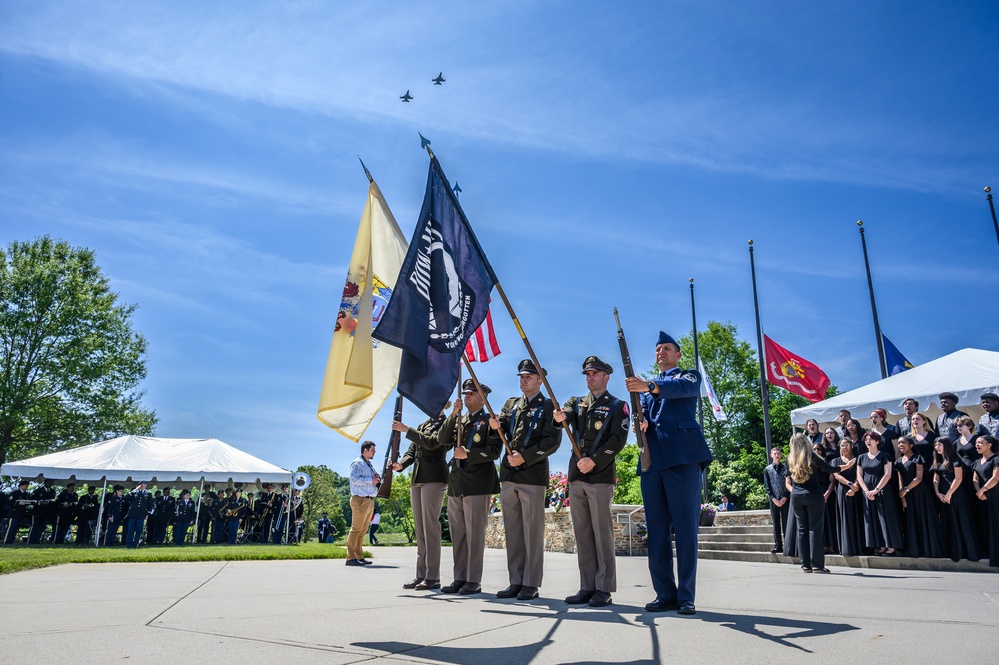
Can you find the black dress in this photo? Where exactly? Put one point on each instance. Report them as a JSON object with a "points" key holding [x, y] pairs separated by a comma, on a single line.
{"points": [[978, 509], [830, 525], [984, 468], [955, 517], [882, 527], [922, 526], [924, 448], [849, 513]]}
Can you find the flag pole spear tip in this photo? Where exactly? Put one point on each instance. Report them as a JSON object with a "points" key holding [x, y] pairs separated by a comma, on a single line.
{"points": [[987, 189], [750, 243], [860, 222], [366, 171], [691, 280], [425, 143]]}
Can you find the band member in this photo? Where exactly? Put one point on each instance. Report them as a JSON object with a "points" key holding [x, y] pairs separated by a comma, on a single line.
{"points": [[297, 515], [472, 481], [114, 513], [140, 508], [671, 488], [184, 514], [65, 505], [533, 436], [279, 508], [600, 421], [324, 528], [207, 499], [263, 512], [44, 513], [88, 507], [218, 517], [233, 513], [364, 482], [427, 488], [18, 502], [166, 510]]}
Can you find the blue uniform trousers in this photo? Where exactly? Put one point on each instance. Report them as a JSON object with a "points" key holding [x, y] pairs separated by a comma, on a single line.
{"points": [[672, 500], [134, 531], [180, 531]]}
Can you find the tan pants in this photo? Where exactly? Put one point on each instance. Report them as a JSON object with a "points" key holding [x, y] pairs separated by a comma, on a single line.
{"points": [[427, 499], [468, 517], [361, 509], [593, 528], [524, 523]]}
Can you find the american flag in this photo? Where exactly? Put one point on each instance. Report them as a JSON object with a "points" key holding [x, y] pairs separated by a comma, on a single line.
{"points": [[482, 345]]}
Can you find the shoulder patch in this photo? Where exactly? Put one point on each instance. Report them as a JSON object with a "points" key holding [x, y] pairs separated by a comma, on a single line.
{"points": [[689, 377]]}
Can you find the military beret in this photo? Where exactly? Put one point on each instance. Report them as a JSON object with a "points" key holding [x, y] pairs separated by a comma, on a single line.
{"points": [[22, 482], [664, 338], [68, 485], [526, 366], [597, 364], [469, 387], [118, 487]]}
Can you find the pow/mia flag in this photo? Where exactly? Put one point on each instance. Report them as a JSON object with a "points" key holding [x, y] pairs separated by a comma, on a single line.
{"points": [[441, 297]]}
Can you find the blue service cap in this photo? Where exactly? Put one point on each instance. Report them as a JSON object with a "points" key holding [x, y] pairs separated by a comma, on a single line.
{"points": [[664, 338]]}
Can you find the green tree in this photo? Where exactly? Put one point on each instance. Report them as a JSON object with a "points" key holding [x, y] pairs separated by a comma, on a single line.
{"points": [[321, 496], [629, 488], [71, 360], [397, 514]]}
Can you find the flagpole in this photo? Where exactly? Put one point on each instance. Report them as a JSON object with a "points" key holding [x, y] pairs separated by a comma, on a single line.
{"points": [[485, 400], [700, 400], [992, 207], [764, 392], [874, 307]]}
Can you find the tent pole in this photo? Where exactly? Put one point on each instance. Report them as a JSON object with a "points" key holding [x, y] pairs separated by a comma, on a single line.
{"points": [[100, 513], [197, 513]]}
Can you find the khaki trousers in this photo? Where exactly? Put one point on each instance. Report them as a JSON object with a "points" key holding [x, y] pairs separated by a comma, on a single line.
{"points": [[524, 523], [427, 499], [361, 509], [468, 517], [593, 528]]}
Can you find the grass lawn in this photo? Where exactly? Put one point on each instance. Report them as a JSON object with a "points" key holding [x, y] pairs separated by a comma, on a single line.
{"points": [[384, 539], [14, 558]]}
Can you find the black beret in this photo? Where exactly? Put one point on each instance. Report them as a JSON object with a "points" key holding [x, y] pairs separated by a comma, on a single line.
{"points": [[469, 387], [597, 364], [526, 366], [118, 487], [22, 482]]}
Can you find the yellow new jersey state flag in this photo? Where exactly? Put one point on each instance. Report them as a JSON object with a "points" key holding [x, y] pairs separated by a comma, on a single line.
{"points": [[360, 371]]}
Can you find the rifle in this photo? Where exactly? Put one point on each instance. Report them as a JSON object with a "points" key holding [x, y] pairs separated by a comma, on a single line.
{"points": [[391, 454], [636, 400]]}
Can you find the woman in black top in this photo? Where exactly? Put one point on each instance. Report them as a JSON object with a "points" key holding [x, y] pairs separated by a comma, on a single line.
{"points": [[949, 471], [882, 528], [922, 527], [805, 469], [889, 434], [812, 431], [854, 431], [850, 512], [830, 444], [986, 489], [922, 435]]}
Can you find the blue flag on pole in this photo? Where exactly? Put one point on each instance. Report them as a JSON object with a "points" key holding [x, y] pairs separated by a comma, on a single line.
{"points": [[441, 297], [894, 359]]}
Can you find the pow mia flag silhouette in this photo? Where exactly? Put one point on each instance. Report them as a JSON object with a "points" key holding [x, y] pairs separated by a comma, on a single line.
{"points": [[441, 297]]}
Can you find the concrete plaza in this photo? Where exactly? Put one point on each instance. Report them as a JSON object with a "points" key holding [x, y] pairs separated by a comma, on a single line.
{"points": [[324, 612]]}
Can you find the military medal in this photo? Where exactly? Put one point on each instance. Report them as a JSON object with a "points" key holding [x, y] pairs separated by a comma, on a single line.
{"points": [[476, 438], [598, 425]]}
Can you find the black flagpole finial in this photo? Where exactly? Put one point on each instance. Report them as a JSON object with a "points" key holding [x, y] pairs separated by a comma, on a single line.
{"points": [[366, 171], [456, 189]]}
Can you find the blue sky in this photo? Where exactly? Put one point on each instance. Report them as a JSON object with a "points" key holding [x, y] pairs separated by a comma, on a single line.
{"points": [[607, 152]]}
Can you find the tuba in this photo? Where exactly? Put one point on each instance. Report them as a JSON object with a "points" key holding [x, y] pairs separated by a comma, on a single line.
{"points": [[300, 481]]}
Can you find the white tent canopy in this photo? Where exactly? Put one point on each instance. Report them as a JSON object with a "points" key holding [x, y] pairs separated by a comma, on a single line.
{"points": [[129, 459], [967, 373]]}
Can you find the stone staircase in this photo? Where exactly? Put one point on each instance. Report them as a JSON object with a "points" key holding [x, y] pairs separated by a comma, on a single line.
{"points": [[753, 543]]}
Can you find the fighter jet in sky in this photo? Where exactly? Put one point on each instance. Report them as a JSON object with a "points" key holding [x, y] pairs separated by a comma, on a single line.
{"points": [[406, 97], [440, 79]]}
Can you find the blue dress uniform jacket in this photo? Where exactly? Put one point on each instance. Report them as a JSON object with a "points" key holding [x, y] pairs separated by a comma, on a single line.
{"points": [[671, 488], [674, 437]]}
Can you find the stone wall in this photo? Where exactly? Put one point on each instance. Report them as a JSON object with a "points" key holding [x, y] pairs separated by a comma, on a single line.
{"points": [[559, 538]]}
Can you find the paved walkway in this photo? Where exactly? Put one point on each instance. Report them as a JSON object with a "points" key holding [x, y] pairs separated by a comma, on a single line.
{"points": [[303, 612]]}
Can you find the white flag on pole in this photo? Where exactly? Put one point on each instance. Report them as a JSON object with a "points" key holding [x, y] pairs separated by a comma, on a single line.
{"points": [[709, 393]]}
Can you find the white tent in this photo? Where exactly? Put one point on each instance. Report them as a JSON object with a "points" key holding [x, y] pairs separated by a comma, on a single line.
{"points": [[967, 373], [129, 459]]}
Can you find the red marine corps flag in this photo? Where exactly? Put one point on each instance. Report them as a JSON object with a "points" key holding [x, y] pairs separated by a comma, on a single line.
{"points": [[794, 373]]}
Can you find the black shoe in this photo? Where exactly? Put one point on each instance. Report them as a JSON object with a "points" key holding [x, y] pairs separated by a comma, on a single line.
{"points": [[686, 607], [581, 597], [412, 585], [661, 605], [366, 562], [600, 599], [806, 569], [353, 562], [509, 592], [453, 587], [470, 588], [775, 549], [427, 585], [527, 593], [822, 570]]}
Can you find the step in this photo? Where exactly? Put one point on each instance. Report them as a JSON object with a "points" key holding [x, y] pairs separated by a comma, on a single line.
{"points": [[736, 529], [869, 562], [736, 547], [735, 537]]}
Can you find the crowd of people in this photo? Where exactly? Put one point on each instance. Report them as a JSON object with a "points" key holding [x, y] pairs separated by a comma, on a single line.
{"points": [[916, 488], [140, 517], [522, 435]]}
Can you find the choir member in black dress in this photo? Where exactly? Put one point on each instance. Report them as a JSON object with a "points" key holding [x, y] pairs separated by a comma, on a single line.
{"points": [[987, 490], [805, 471], [882, 528], [849, 507], [854, 431], [965, 448], [830, 444], [830, 523], [949, 472], [922, 526], [812, 431], [922, 435], [879, 424]]}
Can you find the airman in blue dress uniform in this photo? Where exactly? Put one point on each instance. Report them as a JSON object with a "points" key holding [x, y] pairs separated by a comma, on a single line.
{"points": [[671, 487]]}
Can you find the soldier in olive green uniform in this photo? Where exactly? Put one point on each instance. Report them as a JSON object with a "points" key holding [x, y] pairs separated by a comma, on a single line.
{"points": [[427, 488], [471, 483], [600, 422], [533, 436]]}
